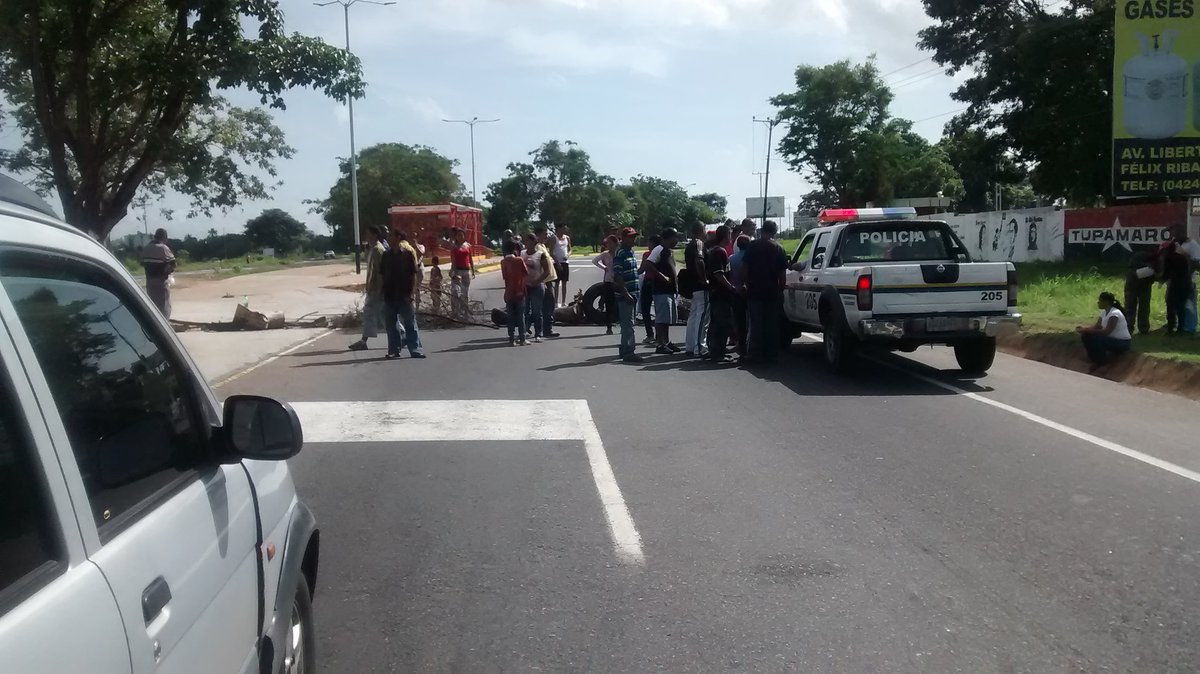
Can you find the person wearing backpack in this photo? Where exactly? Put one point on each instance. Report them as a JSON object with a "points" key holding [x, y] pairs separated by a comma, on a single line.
{"points": [[693, 284]]}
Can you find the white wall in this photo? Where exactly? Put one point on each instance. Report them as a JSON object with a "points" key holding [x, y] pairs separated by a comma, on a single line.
{"points": [[999, 236]]}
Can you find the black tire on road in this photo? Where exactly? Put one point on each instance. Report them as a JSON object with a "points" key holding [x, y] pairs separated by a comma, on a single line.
{"points": [[300, 639], [977, 355], [837, 345], [591, 304]]}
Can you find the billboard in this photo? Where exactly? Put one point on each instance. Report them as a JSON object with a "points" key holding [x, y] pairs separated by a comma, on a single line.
{"points": [[754, 207], [1156, 104], [1113, 234]]}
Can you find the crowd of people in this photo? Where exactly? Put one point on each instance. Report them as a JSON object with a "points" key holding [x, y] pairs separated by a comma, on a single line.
{"points": [[733, 279], [1173, 264]]}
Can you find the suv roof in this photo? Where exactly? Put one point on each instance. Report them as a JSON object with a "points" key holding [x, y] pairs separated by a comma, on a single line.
{"points": [[15, 192]]}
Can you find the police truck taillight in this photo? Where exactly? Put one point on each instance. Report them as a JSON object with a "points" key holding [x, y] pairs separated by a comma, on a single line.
{"points": [[864, 292], [1012, 288]]}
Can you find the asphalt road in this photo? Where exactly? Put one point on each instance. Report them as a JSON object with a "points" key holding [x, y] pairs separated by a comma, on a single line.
{"points": [[718, 519]]}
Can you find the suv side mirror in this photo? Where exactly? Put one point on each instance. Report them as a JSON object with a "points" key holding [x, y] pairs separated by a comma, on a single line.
{"points": [[257, 427]]}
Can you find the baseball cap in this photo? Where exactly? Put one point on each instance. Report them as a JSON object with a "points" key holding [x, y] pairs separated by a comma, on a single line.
{"points": [[669, 232], [628, 231]]}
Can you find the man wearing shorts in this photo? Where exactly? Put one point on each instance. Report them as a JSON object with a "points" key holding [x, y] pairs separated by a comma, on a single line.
{"points": [[661, 274], [562, 254]]}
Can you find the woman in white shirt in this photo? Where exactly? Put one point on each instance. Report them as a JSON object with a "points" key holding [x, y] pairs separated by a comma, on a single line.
{"points": [[609, 299], [1110, 335]]}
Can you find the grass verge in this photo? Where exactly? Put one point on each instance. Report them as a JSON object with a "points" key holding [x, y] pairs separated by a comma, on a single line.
{"points": [[1057, 296]]}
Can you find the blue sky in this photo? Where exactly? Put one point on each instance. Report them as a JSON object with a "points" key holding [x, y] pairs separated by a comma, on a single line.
{"points": [[662, 87]]}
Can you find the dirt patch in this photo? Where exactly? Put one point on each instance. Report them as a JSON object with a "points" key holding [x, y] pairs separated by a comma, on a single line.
{"points": [[1065, 351]]}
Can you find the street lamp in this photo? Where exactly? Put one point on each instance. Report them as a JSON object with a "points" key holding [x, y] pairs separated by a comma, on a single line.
{"points": [[471, 123], [346, 4], [771, 123]]}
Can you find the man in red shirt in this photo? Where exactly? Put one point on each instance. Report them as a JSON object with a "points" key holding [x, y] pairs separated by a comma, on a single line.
{"points": [[515, 273]]}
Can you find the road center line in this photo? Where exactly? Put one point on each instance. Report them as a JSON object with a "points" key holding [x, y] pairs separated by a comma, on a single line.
{"points": [[476, 421], [1043, 421]]}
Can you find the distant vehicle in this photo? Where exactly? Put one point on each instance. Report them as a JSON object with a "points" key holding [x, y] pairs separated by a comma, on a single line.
{"points": [[146, 527], [329, 255], [879, 277]]}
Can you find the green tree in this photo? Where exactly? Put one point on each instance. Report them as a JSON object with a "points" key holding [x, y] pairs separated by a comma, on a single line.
{"points": [[981, 158], [656, 203], [1041, 73], [388, 174], [558, 185], [113, 96], [275, 228], [716, 202], [852, 148], [830, 117]]}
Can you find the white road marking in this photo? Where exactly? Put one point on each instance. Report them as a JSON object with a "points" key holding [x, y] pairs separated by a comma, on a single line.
{"points": [[1043, 421], [480, 421], [272, 359]]}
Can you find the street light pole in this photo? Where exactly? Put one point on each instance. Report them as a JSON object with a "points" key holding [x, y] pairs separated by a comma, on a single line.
{"points": [[471, 123], [353, 150], [771, 123]]}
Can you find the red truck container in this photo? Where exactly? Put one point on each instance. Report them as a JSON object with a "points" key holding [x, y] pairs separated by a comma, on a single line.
{"points": [[431, 224]]}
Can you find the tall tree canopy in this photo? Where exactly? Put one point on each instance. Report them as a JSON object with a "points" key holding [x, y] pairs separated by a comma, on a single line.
{"points": [[113, 96], [1041, 75], [842, 137], [716, 202], [388, 174], [276, 228]]}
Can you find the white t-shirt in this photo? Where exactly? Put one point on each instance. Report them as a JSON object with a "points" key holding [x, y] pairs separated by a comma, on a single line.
{"points": [[562, 248], [655, 255], [1121, 330], [605, 261], [1191, 248]]}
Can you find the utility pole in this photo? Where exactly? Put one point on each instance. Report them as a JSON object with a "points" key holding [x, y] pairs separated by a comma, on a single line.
{"points": [[346, 4], [762, 194], [771, 123], [471, 123]]}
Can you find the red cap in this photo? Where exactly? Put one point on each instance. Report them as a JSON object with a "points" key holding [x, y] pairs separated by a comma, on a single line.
{"points": [[628, 231]]}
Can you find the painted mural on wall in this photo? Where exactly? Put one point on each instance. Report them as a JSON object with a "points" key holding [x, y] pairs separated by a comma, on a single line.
{"points": [[1025, 235], [1113, 234]]}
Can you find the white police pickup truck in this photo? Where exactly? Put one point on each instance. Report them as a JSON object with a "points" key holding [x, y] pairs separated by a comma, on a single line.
{"points": [[880, 277]]}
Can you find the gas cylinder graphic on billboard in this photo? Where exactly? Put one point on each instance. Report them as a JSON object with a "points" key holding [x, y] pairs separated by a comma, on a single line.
{"points": [[1155, 97]]}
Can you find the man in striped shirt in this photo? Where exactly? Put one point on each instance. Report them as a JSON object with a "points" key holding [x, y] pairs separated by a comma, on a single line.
{"points": [[625, 282]]}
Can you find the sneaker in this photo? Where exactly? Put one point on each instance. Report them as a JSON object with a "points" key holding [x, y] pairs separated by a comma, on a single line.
{"points": [[554, 334], [664, 351], [674, 348], [537, 340], [649, 341], [418, 355], [512, 341], [608, 332], [523, 342], [632, 359], [392, 356], [360, 345]]}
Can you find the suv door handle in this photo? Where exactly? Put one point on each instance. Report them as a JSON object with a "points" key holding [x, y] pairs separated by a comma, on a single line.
{"points": [[155, 598]]}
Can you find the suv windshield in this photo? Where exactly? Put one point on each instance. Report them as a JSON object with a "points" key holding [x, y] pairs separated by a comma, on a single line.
{"points": [[901, 242]]}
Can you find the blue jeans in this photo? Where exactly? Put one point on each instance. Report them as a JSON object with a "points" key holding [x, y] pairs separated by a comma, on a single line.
{"points": [[625, 311], [533, 308], [1100, 347], [548, 305], [516, 318], [647, 301], [395, 313]]}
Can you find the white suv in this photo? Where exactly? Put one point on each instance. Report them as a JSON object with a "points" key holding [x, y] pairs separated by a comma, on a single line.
{"points": [[142, 527]]}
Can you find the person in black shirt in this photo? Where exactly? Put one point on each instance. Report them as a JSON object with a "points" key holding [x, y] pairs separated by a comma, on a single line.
{"points": [[1139, 285], [766, 269], [400, 280], [720, 296], [661, 275], [1177, 273]]}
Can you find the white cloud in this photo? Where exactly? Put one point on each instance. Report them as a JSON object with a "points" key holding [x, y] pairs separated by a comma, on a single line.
{"points": [[341, 114], [573, 51], [426, 107]]}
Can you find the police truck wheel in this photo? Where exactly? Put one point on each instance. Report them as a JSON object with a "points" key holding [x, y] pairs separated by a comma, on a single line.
{"points": [[300, 641], [838, 348], [976, 356]]}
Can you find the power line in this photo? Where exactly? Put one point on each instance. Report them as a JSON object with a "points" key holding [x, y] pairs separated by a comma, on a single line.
{"points": [[951, 112], [914, 63], [934, 69]]}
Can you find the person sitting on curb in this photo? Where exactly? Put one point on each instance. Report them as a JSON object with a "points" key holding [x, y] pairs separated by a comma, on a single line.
{"points": [[1110, 335]]}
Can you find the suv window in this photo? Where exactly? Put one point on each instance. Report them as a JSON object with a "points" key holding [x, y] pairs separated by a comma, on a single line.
{"points": [[29, 537], [804, 250], [122, 400], [822, 249]]}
